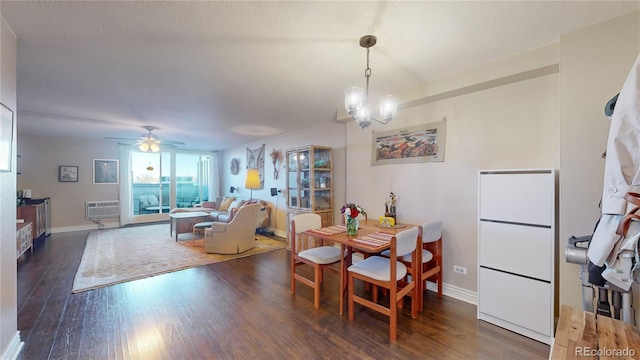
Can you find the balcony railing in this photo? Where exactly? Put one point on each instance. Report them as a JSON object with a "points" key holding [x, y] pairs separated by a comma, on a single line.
{"points": [[187, 195]]}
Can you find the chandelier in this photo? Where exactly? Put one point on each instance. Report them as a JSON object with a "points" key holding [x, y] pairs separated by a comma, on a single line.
{"points": [[356, 99], [148, 143]]}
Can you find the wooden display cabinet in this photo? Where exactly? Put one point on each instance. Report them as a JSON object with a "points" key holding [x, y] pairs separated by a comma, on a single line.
{"points": [[309, 183]]}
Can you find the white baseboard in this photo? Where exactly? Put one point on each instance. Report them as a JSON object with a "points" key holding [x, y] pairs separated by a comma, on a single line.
{"points": [[13, 349], [65, 229], [280, 233], [455, 292]]}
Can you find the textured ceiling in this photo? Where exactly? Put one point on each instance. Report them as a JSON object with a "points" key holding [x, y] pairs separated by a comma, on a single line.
{"points": [[221, 74]]}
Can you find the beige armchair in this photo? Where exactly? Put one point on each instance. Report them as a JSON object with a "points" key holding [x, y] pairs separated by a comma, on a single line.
{"points": [[235, 236]]}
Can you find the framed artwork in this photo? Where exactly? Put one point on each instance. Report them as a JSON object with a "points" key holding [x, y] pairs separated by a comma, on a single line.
{"points": [[67, 173], [6, 137], [414, 144], [105, 171]]}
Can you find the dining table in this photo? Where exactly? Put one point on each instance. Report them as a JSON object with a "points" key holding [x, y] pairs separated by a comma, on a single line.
{"points": [[372, 238]]}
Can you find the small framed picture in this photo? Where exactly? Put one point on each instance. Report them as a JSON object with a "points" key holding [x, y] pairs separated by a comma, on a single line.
{"points": [[105, 171], [67, 173]]}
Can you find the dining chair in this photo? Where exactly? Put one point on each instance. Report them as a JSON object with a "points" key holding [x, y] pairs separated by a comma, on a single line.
{"points": [[388, 273], [431, 269], [320, 257], [432, 254]]}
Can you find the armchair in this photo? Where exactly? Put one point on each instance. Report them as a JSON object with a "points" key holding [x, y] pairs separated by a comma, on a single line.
{"points": [[235, 236]]}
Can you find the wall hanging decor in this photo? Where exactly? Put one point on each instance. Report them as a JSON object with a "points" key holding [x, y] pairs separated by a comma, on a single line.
{"points": [[275, 156], [235, 166], [414, 144], [255, 160]]}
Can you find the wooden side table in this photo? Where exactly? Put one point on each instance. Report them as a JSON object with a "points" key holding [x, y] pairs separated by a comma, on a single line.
{"points": [[181, 223]]}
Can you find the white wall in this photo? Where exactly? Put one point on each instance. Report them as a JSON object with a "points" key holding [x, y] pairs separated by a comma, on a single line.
{"points": [[505, 127], [594, 64], [328, 134], [10, 343]]}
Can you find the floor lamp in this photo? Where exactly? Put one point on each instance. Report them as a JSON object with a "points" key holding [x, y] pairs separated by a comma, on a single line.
{"points": [[252, 181]]}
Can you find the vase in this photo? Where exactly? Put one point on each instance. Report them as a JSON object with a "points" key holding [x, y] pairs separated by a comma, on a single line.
{"points": [[392, 213], [352, 227]]}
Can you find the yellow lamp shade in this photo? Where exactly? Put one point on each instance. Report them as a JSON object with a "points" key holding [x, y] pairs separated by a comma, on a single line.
{"points": [[253, 179]]}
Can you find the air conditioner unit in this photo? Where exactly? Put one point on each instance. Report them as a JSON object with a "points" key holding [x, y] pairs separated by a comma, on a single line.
{"points": [[102, 209]]}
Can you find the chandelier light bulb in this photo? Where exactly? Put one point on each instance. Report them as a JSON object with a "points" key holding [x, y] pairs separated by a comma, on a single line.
{"points": [[388, 107], [353, 97]]}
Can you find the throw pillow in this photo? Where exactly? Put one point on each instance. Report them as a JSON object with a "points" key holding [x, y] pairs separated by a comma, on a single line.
{"points": [[153, 200], [209, 204], [143, 200], [237, 203], [224, 204]]}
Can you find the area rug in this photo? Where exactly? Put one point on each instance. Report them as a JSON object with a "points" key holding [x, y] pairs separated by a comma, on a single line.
{"points": [[115, 256]]}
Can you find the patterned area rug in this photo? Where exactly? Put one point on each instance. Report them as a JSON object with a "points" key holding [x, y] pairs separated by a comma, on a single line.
{"points": [[115, 256]]}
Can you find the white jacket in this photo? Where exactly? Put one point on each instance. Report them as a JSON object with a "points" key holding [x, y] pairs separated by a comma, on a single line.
{"points": [[622, 166]]}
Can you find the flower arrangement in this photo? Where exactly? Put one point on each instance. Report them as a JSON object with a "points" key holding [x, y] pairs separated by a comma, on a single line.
{"points": [[351, 210], [391, 199]]}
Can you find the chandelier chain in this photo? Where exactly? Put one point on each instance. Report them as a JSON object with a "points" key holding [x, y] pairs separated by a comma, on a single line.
{"points": [[367, 74]]}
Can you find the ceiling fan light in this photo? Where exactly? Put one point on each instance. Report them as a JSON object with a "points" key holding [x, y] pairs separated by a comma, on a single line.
{"points": [[154, 147], [143, 147]]}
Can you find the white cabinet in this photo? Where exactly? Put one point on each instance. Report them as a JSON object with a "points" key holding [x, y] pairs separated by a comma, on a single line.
{"points": [[24, 238], [516, 250]]}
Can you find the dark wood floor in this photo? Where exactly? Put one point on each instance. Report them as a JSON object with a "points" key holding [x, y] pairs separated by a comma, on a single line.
{"points": [[239, 309]]}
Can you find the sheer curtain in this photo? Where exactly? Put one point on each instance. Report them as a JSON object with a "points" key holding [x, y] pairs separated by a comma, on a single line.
{"points": [[214, 176], [126, 211]]}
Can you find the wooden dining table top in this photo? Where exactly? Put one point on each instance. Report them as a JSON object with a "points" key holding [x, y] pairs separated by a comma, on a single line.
{"points": [[370, 237]]}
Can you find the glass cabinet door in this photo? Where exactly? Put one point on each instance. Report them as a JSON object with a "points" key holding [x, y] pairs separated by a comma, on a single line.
{"points": [[305, 179], [309, 181], [322, 179], [292, 179]]}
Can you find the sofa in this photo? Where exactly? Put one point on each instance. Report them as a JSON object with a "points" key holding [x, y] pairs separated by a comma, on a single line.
{"points": [[225, 208], [149, 204], [237, 235]]}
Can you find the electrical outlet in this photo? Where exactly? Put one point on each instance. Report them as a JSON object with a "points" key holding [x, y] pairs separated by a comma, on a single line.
{"points": [[460, 269]]}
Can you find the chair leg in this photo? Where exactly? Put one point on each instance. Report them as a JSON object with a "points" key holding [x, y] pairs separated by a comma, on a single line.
{"points": [[317, 273], [374, 293], [393, 318], [440, 282], [416, 298], [293, 277], [350, 297]]}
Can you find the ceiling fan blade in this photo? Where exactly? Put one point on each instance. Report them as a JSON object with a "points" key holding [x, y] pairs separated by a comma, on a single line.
{"points": [[119, 138], [170, 142]]}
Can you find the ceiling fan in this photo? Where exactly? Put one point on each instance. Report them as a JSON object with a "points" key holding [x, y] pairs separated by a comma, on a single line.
{"points": [[149, 142]]}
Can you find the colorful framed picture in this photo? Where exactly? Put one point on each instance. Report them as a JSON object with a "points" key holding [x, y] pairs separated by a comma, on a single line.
{"points": [[67, 173], [105, 171], [414, 144]]}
